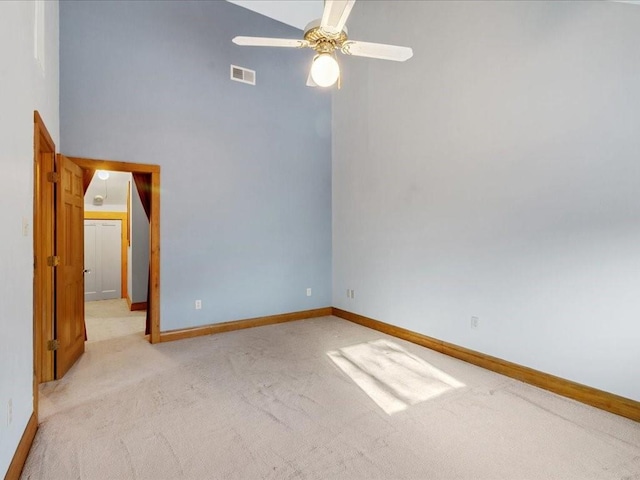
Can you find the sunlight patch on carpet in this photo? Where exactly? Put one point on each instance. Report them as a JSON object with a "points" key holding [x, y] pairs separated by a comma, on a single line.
{"points": [[393, 378]]}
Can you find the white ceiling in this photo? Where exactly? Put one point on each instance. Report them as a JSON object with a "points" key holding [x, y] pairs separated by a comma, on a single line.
{"points": [[296, 13], [114, 189]]}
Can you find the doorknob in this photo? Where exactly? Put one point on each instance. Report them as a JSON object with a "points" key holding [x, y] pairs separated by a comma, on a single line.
{"points": [[86, 270]]}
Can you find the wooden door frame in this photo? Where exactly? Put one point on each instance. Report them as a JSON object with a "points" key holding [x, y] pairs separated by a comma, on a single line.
{"points": [[43, 246], [124, 261], [91, 164]]}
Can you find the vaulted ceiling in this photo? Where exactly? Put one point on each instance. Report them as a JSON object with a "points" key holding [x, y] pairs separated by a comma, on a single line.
{"points": [[296, 13]]}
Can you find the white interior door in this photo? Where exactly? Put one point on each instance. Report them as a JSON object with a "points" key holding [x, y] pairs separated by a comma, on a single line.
{"points": [[102, 260], [90, 240]]}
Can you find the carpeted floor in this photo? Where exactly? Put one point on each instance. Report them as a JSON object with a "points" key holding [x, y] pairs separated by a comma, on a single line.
{"points": [[270, 403], [106, 319]]}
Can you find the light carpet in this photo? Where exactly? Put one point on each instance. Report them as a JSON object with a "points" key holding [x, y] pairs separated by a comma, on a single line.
{"points": [[391, 376], [106, 319], [269, 403]]}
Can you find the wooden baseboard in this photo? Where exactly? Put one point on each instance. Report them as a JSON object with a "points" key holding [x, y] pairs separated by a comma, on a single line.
{"points": [[20, 457], [172, 335], [582, 393], [138, 306]]}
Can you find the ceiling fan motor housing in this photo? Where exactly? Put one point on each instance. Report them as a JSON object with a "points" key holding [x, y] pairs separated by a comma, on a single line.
{"points": [[321, 41]]}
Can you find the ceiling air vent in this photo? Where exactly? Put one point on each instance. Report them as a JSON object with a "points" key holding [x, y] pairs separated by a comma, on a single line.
{"points": [[244, 75]]}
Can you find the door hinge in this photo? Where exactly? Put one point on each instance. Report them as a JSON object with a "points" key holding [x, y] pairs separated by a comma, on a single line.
{"points": [[53, 261], [52, 345], [53, 177]]}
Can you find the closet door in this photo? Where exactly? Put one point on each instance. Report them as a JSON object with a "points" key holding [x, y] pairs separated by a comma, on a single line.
{"points": [[102, 261]]}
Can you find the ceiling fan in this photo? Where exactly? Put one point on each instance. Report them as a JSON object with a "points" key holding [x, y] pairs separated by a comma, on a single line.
{"points": [[326, 36]]}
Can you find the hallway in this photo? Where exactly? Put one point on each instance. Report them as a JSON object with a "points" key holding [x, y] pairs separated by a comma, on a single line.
{"points": [[108, 319]]}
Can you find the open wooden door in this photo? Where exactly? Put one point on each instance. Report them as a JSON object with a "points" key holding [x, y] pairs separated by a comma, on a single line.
{"points": [[69, 323]]}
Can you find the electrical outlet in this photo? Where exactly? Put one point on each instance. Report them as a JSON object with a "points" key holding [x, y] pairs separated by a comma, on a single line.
{"points": [[9, 412], [198, 304], [475, 322], [348, 293], [308, 292], [351, 294]]}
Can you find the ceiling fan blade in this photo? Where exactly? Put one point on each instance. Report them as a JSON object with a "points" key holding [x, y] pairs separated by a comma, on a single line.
{"points": [[377, 50], [335, 15], [270, 42]]}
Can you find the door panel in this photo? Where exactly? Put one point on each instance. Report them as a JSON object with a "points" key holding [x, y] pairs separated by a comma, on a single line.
{"points": [[70, 331], [110, 261], [102, 259], [90, 260]]}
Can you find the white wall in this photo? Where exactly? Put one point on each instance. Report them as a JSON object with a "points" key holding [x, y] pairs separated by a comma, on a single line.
{"points": [[90, 207], [496, 174], [24, 87]]}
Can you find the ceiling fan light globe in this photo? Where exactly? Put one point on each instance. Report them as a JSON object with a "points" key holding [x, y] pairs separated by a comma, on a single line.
{"points": [[325, 70]]}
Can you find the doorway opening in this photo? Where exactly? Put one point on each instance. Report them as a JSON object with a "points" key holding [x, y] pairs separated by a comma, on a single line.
{"points": [[116, 257], [145, 182], [49, 329]]}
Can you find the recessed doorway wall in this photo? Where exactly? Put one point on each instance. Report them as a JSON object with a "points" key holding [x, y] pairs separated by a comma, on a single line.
{"points": [[147, 179]]}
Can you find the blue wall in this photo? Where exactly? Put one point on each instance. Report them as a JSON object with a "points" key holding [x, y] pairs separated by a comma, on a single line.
{"points": [[139, 246], [246, 171]]}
